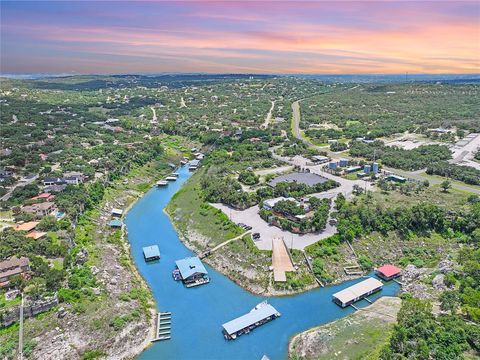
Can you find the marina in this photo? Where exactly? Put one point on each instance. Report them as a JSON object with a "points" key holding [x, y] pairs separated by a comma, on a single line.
{"points": [[222, 299]]}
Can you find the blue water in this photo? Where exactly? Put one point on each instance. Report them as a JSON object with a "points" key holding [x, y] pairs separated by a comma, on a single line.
{"points": [[198, 313]]}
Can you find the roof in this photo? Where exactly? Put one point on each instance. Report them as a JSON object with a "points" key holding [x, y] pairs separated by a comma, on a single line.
{"points": [[271, 202], [357, 290], [115, 223], [389, 270], [117, 211], [151, 251], [250, 318], [190, 266], [299, 177], [26, 226], [194, 162], [13, 262], [36, 234]]}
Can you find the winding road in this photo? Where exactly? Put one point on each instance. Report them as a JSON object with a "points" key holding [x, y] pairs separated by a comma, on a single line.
{"points": [[408, 174]]}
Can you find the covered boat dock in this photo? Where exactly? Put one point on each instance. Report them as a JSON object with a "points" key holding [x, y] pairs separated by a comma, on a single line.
{"points": [[151, 253], [261, 314], [357, 292]]}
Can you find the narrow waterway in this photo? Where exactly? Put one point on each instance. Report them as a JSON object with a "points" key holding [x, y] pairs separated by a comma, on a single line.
{"points": [[198, 313]]}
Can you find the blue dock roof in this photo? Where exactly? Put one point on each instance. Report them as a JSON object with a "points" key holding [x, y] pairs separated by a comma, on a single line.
{"points": [[151, 251], [115, 223], [250, 318], [190, 266]]}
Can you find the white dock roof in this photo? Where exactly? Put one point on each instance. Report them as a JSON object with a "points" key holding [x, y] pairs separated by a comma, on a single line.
{"points": [[249, 319], [358, 290]]}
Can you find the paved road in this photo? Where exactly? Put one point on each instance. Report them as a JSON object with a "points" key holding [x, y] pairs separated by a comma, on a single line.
{"points": [[20, 183], [417, 175]]}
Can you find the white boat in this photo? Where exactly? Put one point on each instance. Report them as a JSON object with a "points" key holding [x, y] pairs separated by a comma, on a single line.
{"points": [[171, 178], [162, 183]]}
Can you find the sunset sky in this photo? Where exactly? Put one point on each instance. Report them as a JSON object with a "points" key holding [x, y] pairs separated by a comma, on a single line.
{"points": [[242, 37]]}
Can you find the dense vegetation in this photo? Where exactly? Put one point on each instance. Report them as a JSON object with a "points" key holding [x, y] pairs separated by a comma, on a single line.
{"points": [[466, 174], [419, 334], [414, 159], [284, 213]]}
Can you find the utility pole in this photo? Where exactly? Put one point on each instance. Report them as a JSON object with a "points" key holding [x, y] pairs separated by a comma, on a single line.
{"points": [[20, 332]]}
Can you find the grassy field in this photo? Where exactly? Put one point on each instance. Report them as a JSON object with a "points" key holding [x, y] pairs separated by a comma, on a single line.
{"points": [[358, 336], [197, 215], [433, 194]]}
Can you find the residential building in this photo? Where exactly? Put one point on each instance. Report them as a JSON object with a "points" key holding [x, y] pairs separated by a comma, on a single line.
{"points": [[39, 210], [11, 267]]}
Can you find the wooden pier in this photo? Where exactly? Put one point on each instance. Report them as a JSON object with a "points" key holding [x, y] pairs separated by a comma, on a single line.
{"points": [[164, 328]]}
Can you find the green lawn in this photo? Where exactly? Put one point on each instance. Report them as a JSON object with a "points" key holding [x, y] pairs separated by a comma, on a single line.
{"points": [[189, 210]]}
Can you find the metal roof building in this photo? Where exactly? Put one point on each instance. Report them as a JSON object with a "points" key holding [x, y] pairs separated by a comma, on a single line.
{"points": [[299, 177], [250, 318], [151, 253], [115, 223], [190, 266], [358, 291]]}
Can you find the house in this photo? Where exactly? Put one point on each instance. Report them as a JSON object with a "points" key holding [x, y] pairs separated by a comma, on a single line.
{"points": [[191, 271], [5, 174], [11, 267], [388, 272], [45, 196], [36, 235], [39, 210], [25, 226], [49, 181], [74, 177]]}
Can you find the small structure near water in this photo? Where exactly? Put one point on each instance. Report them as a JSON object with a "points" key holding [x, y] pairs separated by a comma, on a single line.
{"points": [[388, 272], [115, 223], [357, 292], [259, 315], [191, 272], [162, 183], [151, 253]]}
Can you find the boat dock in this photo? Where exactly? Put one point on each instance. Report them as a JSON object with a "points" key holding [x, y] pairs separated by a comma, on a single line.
{"points": [[357, 292], [171, 178], [164, 326], [259, 315], [162, 183]]}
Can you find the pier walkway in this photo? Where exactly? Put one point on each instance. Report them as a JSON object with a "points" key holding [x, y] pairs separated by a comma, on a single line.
{"points": [[164, 326]]}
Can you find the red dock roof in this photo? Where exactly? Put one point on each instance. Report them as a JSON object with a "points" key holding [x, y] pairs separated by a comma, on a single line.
{"points": [[389, 270]]}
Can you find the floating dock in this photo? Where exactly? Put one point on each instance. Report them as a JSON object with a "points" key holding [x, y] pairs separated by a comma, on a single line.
{"points": [[151, 253], [259, 315], [164, 326], [357, 292], [191, 272]]}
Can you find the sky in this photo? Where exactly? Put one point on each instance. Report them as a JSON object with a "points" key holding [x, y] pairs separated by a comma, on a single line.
{"points": [[321, 37]]}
